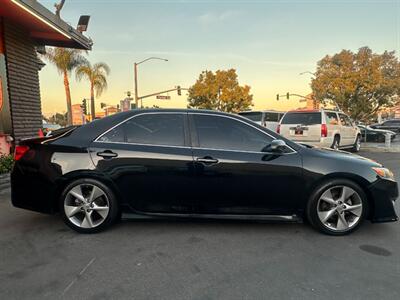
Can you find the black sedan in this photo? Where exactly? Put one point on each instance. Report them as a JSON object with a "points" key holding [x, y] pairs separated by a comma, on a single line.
{"points": [[369, 134], [392, 125], [197, 164]]}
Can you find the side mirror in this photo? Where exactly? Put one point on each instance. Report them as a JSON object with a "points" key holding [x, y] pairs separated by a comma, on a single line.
{"points": [[277, 145]]}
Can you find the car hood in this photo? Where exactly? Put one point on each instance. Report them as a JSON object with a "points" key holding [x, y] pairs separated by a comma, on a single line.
{"points": [[343, 156]]}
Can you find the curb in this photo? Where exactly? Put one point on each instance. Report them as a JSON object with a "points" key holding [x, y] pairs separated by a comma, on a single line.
{"points": [[4, 181]]}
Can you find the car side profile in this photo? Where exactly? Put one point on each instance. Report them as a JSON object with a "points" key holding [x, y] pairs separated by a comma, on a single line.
{"points": [[267, 118], [197, 164], [392, 125], [322, 128]]}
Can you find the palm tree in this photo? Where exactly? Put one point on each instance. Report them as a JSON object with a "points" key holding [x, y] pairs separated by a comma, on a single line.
{"points": [[97, 77], [65, 61]]}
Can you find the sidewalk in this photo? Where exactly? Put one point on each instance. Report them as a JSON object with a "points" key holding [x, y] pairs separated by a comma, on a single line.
{"points": [[381, 147], [4, 182]]}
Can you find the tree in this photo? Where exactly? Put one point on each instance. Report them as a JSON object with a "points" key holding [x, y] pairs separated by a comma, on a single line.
{"points": [[97, 77], [65, 61], [360, 83], [220, 91], [60, 119]]}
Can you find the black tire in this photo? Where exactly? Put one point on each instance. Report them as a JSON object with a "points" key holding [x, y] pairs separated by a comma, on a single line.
{"points": [[336, 142], [357, 145], [312, 206], [113, 205]]}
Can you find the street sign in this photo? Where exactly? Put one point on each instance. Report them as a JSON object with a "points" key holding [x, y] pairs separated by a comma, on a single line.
{"points": [[161, 97]]}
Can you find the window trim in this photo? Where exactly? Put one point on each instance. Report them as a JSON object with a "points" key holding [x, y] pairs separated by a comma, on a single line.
{"points": [[196, 145], [186, 135]]}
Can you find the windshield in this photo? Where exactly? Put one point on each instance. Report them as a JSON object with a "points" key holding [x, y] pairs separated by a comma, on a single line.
{"points": [[309, 118]]}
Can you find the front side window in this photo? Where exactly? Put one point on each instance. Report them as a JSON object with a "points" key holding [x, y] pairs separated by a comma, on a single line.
{"points": [[149, 129], [344, 120], [215, 132]]}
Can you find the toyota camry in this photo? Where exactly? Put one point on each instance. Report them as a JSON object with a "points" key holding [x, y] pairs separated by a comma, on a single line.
{"points": [[197, 164]]}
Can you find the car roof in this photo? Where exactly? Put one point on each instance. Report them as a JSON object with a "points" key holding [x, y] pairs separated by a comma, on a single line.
{"points": [[306, 110], [84, 135]]}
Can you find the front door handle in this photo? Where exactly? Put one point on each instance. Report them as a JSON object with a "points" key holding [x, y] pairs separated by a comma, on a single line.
{"points": [[106, 154], [208, 160]]}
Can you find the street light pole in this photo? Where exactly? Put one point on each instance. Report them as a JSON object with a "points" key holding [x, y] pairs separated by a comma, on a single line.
{"points": [[136, 76], [136, 88]]}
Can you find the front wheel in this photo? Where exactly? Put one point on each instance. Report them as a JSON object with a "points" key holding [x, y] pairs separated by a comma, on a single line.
{"points": [[337, 207], [88, 206], [357, 144]]}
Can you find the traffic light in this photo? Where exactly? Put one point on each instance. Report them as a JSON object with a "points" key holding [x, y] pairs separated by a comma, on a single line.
{"points": [[287, 95], [84, 107], [178, 90], [277, 97]]}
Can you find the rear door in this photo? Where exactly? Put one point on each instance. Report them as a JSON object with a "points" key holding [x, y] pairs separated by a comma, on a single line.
{"points": [[332, 122], [149, 159], [346, 131], [302, 126]]}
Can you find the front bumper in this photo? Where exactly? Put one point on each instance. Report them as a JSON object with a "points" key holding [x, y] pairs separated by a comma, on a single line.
{"points": [[383, 194]]}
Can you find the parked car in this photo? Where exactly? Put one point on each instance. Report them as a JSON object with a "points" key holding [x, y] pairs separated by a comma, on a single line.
{"points": [[267, 118], [392, 125], [322, 128], [198, 164], [369, 134]]}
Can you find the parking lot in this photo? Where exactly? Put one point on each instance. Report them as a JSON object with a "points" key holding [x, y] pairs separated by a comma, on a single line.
{"points": [[41, 258]]}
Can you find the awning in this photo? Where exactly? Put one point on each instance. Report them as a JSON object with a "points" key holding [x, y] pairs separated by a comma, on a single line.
{"points": [[45, 27]]}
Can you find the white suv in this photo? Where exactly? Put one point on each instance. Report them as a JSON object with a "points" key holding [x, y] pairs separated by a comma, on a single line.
{"points": [[323, 128]]}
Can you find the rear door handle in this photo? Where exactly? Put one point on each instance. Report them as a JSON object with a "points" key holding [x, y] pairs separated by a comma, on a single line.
{"points": [[107, 154], [208, 160]]}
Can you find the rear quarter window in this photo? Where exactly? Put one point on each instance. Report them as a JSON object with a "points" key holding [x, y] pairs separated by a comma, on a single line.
{"points": [[303, 118]]}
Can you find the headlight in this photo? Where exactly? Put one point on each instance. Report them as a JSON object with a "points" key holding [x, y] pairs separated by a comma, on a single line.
{"points": [[384, 173]]}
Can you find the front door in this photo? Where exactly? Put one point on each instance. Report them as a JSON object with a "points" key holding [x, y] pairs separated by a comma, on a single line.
{"points": [[235, 172], [149, 159]]}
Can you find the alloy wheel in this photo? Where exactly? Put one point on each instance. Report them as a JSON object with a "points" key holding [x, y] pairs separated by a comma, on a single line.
{"points": [[340, 208], [86, 205], [358, 144]]}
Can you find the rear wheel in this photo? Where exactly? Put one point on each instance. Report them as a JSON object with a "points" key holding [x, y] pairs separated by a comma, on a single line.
{"points": [[357, 144], [88, 206], [336, 142], [337, 207]]}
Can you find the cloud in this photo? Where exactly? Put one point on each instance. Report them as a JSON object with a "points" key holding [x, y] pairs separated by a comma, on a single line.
{"points": [[217, 17]]}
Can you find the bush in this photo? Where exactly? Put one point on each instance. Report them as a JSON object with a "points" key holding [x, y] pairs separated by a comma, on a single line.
{"points": [[6, 163]]}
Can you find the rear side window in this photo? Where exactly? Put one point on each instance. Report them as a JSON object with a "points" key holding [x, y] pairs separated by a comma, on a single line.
{"points": [[331, 118], [149, 129], [303, 118], [254, 115]]}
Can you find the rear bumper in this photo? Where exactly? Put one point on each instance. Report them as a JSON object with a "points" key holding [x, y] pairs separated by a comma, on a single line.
{"points": [[30, 190], [384, 194]]}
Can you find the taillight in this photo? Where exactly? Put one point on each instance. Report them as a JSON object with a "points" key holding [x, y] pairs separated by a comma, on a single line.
{"points": [[20, 152], [324, 130], [278, 129]]}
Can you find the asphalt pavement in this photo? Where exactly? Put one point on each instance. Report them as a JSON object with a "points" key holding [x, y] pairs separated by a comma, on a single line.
{"points": [[40, 258]]}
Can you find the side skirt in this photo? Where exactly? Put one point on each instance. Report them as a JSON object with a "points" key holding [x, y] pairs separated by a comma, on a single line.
{"points": [[273, 218]]}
